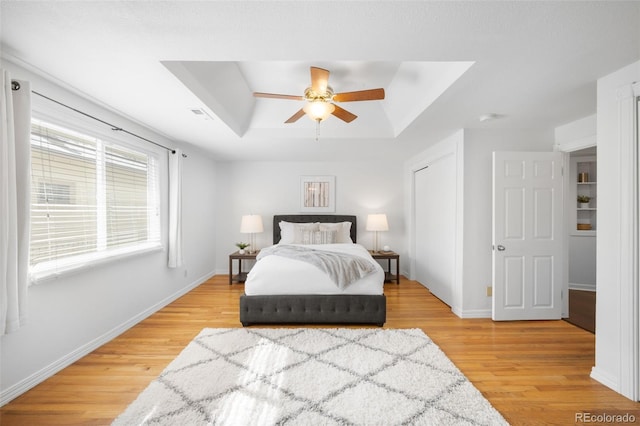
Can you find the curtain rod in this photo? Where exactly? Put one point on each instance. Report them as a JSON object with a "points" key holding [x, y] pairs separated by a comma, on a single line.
{"points": [[15, 85]]}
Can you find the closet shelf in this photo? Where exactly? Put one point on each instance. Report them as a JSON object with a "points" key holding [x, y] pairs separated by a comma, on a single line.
{"points": [[585, 183]]}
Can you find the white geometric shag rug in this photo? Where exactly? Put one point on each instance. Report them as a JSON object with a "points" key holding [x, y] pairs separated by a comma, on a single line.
{"points": [[306, 376]]}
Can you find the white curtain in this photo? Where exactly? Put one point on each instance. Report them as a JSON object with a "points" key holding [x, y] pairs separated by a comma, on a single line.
{"points": [[175, 209], [15, 190]]}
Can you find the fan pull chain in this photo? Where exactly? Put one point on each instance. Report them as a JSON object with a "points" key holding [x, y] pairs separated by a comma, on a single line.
{"points": [[317, 130]]}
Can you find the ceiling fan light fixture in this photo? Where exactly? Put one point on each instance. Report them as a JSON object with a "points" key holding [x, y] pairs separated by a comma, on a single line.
{"points": [[318, 110], [325, 96], [320, 96]]}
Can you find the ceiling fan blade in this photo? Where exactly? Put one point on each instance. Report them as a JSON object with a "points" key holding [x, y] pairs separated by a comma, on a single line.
{"points": [[295, 117], [319, 79], [277, 96], [361, 95], [343, 114]]}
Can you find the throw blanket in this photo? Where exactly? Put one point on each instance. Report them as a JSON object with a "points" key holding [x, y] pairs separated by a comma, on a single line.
{"points": [[342, 268]]}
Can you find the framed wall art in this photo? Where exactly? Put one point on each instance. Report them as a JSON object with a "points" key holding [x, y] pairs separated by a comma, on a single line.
{"points": [[318, 194]]}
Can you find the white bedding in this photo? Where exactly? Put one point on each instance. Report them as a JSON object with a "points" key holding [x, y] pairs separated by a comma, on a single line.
{"points": [[274, 275]]}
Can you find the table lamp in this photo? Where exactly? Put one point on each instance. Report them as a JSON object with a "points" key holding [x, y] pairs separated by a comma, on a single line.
{"points": [[376, 223], [251, 224]]}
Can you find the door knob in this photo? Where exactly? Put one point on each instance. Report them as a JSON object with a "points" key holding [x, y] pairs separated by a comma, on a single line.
{"points": [[501, 248]]}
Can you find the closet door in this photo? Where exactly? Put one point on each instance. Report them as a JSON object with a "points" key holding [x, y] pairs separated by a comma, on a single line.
{"points": [[435, 196]]}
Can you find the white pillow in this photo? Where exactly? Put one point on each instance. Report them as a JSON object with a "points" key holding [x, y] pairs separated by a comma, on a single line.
{"points": [[319, 237], [343, 231], [292, 233]]}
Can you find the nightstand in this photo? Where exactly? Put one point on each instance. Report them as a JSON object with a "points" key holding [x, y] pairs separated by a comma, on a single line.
{"points": [[389, 256], [241, 276]]}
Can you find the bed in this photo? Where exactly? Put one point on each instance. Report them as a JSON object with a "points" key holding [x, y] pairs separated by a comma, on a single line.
{"points": [[267, 301]]}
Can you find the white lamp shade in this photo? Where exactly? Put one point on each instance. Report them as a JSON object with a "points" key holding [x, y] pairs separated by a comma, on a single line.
{"points": [[377, 222], [318, 110], [251, 223]]}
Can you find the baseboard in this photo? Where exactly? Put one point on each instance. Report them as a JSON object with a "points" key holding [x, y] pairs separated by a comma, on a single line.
{"points": [[605, 378], [472, 313], [6, 395], [582, 287]]}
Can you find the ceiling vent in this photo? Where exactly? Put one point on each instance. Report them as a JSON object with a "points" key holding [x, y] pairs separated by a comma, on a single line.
{"points": [[199, 112], [489, 117]]}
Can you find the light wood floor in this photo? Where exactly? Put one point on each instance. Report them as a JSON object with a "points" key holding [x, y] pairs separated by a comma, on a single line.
{"points": [[533, 372]]}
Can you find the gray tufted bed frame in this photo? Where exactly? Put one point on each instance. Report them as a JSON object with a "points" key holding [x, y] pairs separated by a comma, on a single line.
{"points": [[313, 309]]}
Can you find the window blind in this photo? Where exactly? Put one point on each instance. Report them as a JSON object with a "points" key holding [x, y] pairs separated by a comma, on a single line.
{"points": [[91, 200]]}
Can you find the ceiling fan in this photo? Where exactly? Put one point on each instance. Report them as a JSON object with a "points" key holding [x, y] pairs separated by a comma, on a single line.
{"points": [[320, 98]]}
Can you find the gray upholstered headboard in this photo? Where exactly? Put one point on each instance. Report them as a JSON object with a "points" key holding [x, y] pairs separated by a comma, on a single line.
{"points": [[304, 218]]}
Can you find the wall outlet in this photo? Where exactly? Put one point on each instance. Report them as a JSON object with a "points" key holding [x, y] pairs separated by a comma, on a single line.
{"points": [[489, 291]]}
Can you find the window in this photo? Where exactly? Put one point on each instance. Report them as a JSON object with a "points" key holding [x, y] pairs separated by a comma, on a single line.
{"points": [[90, 200]]}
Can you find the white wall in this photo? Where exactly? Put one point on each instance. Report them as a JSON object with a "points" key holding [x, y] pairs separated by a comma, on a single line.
{"points": [[577, 134], [582, 262], [478, 188], [269, 188], [74, 314], [615, 335]]}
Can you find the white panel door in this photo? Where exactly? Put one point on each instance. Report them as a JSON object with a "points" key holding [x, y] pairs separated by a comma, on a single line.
{"points": [[527, 235], [435, 195]]}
